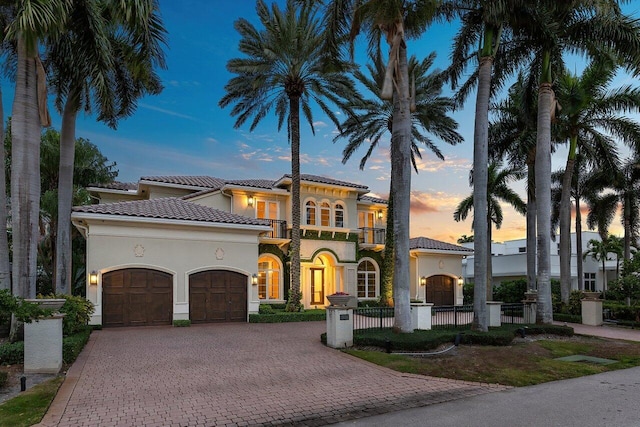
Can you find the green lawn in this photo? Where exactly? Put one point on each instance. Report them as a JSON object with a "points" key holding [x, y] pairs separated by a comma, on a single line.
{"points": [[30, 406]]}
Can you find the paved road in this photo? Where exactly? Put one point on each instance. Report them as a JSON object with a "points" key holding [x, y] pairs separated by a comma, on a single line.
{"points": [[608, 399], [233, 374]]}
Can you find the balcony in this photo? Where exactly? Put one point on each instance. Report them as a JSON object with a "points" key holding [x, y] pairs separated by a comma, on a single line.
{"points": [[372, 236], [278, 230]]}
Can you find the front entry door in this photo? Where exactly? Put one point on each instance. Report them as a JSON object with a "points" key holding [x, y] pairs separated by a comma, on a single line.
{"points": [[317, 286]]}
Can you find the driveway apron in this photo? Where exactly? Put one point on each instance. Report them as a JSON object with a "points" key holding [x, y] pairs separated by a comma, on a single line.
{"points": [[234, 374]]}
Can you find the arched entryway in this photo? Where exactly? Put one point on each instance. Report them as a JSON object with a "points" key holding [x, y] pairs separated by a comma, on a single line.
{"points": [[137, 297], [217, 296], [440, 290], [323, 279]]}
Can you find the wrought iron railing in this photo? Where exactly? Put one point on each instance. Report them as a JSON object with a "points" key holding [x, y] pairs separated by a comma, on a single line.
{"points": [[512, 314], [372, 317], [451, 316], [372, 236], [278, 229]]}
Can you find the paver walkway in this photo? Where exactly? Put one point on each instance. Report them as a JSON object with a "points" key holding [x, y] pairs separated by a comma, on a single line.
{"points": [[233, 374], [605, 331]]}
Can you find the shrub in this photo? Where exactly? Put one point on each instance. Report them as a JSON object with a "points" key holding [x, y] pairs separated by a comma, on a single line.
{"points": [[369, 303], [563, 317], [510, 291], [73, 344], [78, 312], [619, 311], [12, 353], [4, 377], [181, 323], [266, 309], [283, 317], [467, 293]]}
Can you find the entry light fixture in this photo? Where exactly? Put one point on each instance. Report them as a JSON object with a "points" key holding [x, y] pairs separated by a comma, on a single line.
{"points": [[250, 200], [93, 278], [254, 279], [460, 281], [423, 281], [380, 214]]}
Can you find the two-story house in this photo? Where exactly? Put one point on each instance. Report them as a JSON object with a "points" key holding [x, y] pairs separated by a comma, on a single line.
{"points": [[210, 249]]}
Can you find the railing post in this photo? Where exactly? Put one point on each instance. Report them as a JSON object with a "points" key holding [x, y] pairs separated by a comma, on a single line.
{"points": [[455, 316]]}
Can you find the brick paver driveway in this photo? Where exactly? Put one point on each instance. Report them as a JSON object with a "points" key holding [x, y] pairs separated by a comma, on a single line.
{"points": [[233, 374]]}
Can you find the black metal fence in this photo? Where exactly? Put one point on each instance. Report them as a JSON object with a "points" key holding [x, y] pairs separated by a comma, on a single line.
{"points": [[372, 236], [372, 317], [278, 229], [512, 314], [451, 316]]}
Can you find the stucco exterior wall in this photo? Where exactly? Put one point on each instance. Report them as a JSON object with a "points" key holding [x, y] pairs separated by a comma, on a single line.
{"points": [[433, 264], [179, 251], [213, 200]]}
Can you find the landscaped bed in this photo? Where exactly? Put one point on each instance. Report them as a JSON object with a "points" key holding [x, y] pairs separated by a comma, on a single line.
{"points": [[269, 314]]}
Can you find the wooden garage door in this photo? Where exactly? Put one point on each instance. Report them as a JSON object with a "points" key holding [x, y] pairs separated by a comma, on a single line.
{"points": [[440, 290], [137, 297], [217, 296]]}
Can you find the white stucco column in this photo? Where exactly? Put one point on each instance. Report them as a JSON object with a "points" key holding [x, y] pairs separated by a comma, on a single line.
{"points": [[493, 310], [421, 316], [592, 311], [43, 345], [339, 326]]}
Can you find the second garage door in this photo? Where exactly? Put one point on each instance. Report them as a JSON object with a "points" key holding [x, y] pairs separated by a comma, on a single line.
{"points": [[217, 296]]}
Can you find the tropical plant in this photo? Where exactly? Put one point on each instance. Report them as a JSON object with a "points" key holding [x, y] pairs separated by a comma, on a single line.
{"points": [[284, 69], [599, 251], [497, 190], [373, 120], [103, 60], [465, 239]]}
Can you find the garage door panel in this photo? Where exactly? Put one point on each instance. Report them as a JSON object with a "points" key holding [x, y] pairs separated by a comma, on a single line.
{"points": [[224, 293]]}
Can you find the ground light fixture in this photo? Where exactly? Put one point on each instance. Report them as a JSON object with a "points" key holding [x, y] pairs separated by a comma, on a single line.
{"points": [[93, 278]]}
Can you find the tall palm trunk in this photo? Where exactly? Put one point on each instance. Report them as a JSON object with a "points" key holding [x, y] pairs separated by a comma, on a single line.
{"points": [[565, 222], [386, 281], [294, 132], [579, 260], [489, 261], [65, 195], [544, 310], [401, 181], [25, 174], [531, 226], [627, 225], [480, 204], [5, 264]]}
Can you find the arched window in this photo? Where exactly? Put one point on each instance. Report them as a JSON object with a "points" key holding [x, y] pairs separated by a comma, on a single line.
{"points": [[311, 212], [269, 278], [367, 280], [325, 214], [338, 219]]}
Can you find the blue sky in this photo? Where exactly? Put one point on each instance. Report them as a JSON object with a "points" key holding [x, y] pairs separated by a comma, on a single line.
{"points": [[182, 131]]}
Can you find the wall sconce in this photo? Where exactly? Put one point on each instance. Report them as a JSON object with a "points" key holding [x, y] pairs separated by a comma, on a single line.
{"points": [[250, 200], [380, 214], [254, 279], [93, 278], [460, 281], [423, 281]]}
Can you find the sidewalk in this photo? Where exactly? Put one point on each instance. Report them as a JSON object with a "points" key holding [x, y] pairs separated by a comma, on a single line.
{"points": [[605, 331]]}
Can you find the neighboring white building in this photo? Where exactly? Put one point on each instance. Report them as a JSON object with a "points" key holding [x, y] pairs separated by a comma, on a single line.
{"points": [[509, 262]]}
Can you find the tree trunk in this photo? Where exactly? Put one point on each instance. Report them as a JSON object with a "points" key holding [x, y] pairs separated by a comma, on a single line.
{"points": [[544, 312], [294, 129], [565, 223], [65, 196], [401, 181], [531, 227], [579, 261], [626, 221], [489, 261], [25, 174], [386, 281], [481, 240], [5, 262]]}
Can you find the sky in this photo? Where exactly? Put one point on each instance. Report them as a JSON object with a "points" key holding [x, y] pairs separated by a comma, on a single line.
{"points": [[183, 131]]}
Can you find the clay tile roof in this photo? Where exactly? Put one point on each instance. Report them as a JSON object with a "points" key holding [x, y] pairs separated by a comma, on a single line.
{"points": [[193, 181], [255, 183], [426, 243], [329, 181], [169, 208], [124, 186], [373, 199]]}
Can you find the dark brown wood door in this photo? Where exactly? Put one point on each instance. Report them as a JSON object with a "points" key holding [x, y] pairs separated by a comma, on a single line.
{"points": [[217, 296], [440, 290], [137, 297]]}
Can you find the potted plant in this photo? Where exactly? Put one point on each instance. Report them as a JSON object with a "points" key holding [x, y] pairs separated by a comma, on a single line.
{"points": [[339, 298]]}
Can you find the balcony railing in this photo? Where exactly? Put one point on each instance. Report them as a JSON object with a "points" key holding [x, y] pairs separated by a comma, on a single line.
{"points": [[278, 229], [372, 236]]}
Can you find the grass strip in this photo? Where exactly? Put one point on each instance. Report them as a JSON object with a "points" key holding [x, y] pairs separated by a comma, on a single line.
{"points": [[29, 407]]}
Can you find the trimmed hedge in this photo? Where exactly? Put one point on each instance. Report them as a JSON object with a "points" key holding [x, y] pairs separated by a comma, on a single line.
{"points": [[287, 317], [571, 318], [12, 353], [182, 323]]}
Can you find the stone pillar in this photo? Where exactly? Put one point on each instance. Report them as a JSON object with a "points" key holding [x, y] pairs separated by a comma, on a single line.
{"points": [[530, 308], [421, 316], [339, 326], [592, 311], [494, 309], [43, 345]]}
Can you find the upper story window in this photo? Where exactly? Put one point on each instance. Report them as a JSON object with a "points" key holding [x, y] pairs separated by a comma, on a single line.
{"points": [[338, 215], [266, 209], [325, 214], [311, 212], [366, 219]]}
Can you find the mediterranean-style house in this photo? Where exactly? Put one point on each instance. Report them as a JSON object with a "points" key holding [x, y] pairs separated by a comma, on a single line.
{"points": [[212, 250]]}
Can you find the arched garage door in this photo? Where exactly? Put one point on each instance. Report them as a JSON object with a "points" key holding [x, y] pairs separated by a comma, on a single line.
{"points": [[440, 290], [217, 296], [137, 297]]}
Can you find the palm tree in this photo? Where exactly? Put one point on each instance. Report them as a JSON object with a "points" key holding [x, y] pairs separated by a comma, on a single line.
{"points": [[616, 247], [396, 21], [618, 187], [374, 120], [497, 190], [284, 68], [5, 262], [588, 108], [465, 239], [105, 60], [33, 20], [599, 251]]}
